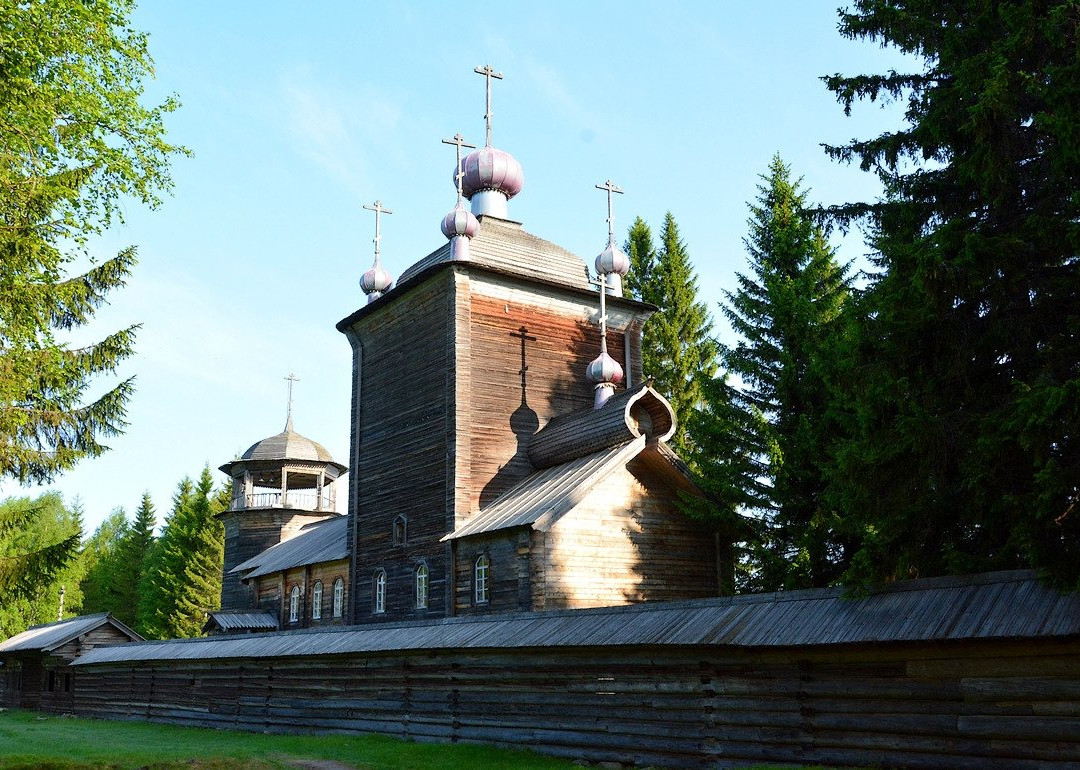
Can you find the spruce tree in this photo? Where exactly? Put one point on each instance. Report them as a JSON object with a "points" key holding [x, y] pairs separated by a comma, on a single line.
{"points": [[677, 347], [962, 381], [784, 312], [74, 143], [132, 561], [183, 579]]}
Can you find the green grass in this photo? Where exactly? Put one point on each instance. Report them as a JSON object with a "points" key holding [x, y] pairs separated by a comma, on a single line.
{"points": [[33, 740]]}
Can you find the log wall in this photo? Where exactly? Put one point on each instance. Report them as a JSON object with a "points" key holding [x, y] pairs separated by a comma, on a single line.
{"points": [[625, 542], [969, 704]]}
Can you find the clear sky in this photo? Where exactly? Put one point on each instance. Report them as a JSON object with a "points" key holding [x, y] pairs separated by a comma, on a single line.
{"points": [[300, 113]]}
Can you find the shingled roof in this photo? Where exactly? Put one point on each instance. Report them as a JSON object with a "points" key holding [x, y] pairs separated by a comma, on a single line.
{"points": [[1001, 605], [46, 638], [316, 543]]}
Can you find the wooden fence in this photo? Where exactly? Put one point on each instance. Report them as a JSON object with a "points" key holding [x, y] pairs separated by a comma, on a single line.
{"points": [[960, 704]]}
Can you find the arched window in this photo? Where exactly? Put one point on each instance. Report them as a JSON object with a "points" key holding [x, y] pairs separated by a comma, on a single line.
{"points": [[421, 586], [294, 604], [480, 579], [316, 601], [400, 530], [339, 597], [378, 588]]}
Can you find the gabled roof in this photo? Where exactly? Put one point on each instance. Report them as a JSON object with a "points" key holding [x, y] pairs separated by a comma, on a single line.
{"points": [[1000, 605], [48, 637], [541, 498], [241, 621], [316, 543]]}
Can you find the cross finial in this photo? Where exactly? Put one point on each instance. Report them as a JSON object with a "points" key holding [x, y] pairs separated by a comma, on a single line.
{"points": [[611, 188], [292, 378], [488, 74], [378, 208], [459, 173], [601, 281]]}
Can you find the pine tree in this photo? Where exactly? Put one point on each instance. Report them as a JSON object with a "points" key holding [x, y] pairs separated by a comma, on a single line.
{"points": [[677, 347], [74, 143], [784, 313], [962, 382]]}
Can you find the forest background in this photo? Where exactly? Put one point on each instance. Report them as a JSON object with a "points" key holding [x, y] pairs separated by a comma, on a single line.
{"points": [[913, 419]]}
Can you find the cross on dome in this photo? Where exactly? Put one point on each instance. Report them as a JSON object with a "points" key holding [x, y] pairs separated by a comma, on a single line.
{"points": [[612, 264], [488, 74], [376, 280], [292, 378], [459, 142]]}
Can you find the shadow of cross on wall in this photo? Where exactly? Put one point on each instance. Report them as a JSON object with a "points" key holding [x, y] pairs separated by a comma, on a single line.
{"points": [[523, 423]]}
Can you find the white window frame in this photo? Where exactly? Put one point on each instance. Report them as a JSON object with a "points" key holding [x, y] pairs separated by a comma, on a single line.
{"points": [[481, 576], [421, 575], [294, 604], [378, 588], [339, 597], [316, 600]]}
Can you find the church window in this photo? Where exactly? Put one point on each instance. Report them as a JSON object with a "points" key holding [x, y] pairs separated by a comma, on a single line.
{"points": [[316, 601], [480, 579], [421, 586], [400, 530], [378, 603], [339, 597], [294, 604]]}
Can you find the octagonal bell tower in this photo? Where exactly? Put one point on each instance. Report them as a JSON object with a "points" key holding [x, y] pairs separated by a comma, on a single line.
{"points": [[279, 485]]}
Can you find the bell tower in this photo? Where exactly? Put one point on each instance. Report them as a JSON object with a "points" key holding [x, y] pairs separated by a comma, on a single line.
{"points": [[279, 485]]}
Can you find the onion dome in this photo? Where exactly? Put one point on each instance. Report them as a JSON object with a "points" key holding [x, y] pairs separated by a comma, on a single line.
{"points": [[460, 222], [613, 260], [491, 169], [604, 370], [375, 281]]}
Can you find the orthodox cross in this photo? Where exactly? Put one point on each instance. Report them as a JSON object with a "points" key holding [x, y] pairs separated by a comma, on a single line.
{"points": [[601, 281], [488, 74], [611, 188], [378, 209], [523, 336], [459, 142], [288, 414]]}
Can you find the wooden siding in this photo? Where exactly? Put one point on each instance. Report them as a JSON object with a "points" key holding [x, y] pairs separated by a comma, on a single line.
{"points": [[502, 416], [970, 704], [249, 532], [403, 428], [509, 588], [625, 542]]}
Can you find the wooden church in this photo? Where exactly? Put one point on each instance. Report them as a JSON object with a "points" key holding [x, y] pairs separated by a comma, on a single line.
{"points": [[506, 452]]}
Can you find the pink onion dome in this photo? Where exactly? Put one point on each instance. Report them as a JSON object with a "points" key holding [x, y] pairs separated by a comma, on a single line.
{"points": [[460, 221], [604, 370], [375, 281], [491, 169], [612, 260]]}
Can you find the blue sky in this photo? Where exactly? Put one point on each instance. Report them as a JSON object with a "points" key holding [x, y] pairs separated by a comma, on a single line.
{"points": [[298, 114]]}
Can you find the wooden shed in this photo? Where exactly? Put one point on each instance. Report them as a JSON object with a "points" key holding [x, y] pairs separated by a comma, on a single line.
{"points": [[36, 673]]}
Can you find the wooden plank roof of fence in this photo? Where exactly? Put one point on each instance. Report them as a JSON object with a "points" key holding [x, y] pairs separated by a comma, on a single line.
{"points": [[46, 638], [317, 543], [1000, 605]]}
